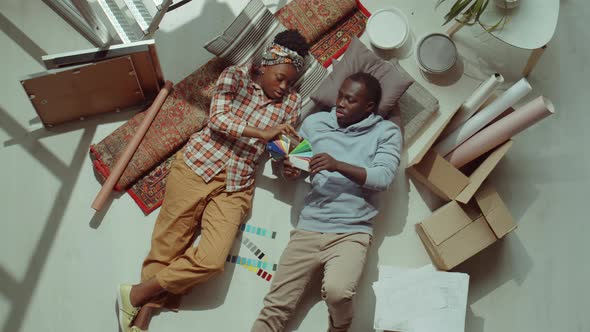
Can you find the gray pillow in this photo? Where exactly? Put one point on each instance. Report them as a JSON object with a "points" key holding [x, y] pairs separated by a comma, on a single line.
{"points": [[413, 110], [358, 58]]}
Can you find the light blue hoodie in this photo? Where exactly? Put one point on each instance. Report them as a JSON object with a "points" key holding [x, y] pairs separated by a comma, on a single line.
{"points": [[336, 204]]}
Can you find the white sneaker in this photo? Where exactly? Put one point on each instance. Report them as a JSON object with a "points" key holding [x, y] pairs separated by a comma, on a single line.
{"points": [[127, 312]]}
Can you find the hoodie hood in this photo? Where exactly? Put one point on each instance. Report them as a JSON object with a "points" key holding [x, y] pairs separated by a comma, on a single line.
{"points": [[359, 127]]}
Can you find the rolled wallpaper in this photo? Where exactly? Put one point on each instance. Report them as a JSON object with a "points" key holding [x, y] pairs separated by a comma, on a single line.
{"points": [[501, 131], [131, 147], [483, 117], [474, 102]]}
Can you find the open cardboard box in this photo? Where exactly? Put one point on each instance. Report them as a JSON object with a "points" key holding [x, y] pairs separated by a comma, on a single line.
{"points": [[450, 183], [465, 225], [455, 232]]}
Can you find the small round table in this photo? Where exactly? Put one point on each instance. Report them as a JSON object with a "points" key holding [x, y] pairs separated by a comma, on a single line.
{"points": [[530, 26]]}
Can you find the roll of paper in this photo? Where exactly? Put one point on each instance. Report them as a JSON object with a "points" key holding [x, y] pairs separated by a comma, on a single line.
{"points": [[501, 131], [126, 155], [474, 102], [483, 117]]}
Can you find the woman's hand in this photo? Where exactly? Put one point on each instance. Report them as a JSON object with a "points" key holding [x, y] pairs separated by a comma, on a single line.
{"points": [[289, 171], [286, 129], [323, 162]]}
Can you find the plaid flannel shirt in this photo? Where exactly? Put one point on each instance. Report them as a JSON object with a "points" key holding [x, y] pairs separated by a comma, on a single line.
{"points": [[237, 102]]}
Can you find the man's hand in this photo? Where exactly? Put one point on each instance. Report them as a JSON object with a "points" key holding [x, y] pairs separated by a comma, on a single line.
{"points": [[323, 162], [289, 171], [286, 129]]}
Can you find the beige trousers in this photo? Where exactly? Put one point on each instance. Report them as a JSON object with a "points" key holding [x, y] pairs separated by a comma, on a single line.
{"points": [[172, 260], [341, 257]]}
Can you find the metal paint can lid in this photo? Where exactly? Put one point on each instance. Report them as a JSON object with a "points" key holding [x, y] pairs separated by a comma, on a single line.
{"points": [[436, 53]]}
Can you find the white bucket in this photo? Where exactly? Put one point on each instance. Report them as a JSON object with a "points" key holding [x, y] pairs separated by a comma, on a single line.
{"points": [[388, 28]]}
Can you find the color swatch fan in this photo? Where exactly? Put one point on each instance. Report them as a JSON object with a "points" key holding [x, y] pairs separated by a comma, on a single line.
{"points": [[299, 156], [279, 149]]}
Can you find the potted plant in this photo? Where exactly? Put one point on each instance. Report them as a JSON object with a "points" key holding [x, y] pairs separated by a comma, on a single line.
{"points": [[468, 12]]}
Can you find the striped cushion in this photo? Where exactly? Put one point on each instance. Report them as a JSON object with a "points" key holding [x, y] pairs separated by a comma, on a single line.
{"points": [[416, 107], [246, 37]]}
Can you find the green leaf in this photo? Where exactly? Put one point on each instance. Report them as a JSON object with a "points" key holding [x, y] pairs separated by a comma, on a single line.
{"points": [[471, 15], [485, 6], [491, 28], [482, 9], [457, 9]]}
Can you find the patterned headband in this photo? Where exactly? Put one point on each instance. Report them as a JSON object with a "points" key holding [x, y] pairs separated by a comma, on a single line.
{"points": [[276, 54]]}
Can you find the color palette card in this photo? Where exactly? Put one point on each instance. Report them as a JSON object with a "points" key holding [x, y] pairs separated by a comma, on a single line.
{"points": [[299, 156], [279, 149]]}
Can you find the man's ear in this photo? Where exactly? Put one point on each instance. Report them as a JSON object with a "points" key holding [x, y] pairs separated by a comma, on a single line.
{"points": [[371, 107]]}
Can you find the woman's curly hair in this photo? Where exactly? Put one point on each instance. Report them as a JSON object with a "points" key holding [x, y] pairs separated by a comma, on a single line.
{"points": [[293, 40]]}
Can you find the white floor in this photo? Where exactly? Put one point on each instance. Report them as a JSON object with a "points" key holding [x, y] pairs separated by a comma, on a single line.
{"points": [[60, 262]]}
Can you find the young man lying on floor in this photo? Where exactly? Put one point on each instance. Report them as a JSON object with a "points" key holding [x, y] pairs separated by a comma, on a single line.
{"points": [[356, 154]]}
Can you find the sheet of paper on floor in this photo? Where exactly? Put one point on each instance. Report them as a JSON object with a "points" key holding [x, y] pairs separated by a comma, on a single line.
{"points": [[423, 299]]}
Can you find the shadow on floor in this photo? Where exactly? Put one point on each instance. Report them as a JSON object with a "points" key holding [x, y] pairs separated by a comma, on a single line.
{"points": [[502, 262], [448, 78], [20, 38], [20, 292], [42, 132], [181, 50], [212, 293]]}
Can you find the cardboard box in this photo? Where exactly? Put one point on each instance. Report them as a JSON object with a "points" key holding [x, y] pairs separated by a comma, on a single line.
{"points": [[456, 232], [450, 183], [475, 215]]}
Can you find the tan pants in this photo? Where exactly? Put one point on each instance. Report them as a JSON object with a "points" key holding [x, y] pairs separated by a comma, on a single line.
{"points": [[172, 260], [340, 256]]}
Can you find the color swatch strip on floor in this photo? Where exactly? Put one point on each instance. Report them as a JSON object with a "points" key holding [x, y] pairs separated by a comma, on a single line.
{"points": [[253, 248], [259, 272], [264, 275], [258, 231], [235, 259]]}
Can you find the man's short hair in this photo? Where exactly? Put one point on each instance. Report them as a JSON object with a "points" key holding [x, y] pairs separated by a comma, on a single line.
{"points": [[371, 84]]}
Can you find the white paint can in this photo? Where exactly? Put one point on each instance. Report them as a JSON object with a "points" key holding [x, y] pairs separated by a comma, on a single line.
{"points": [[388, 28]]}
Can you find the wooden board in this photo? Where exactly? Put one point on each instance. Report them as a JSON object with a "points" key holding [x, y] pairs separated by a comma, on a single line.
{"points": [[92, 89], [142, 53]]}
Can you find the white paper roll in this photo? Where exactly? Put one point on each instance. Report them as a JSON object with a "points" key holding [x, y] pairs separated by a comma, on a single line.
{"points": [[483, 117], [501, 131], [474, 102]]}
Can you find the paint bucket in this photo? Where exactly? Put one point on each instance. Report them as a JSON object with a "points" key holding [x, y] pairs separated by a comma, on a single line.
{"points": [[388, 28], [436, 53]]}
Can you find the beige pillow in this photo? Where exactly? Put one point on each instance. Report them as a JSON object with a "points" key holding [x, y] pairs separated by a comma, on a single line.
{"points": [[358, 58]]}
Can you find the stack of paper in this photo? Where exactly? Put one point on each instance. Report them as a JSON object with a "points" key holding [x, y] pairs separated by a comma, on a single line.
{"points": [[299, 156], [420, 300]]}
